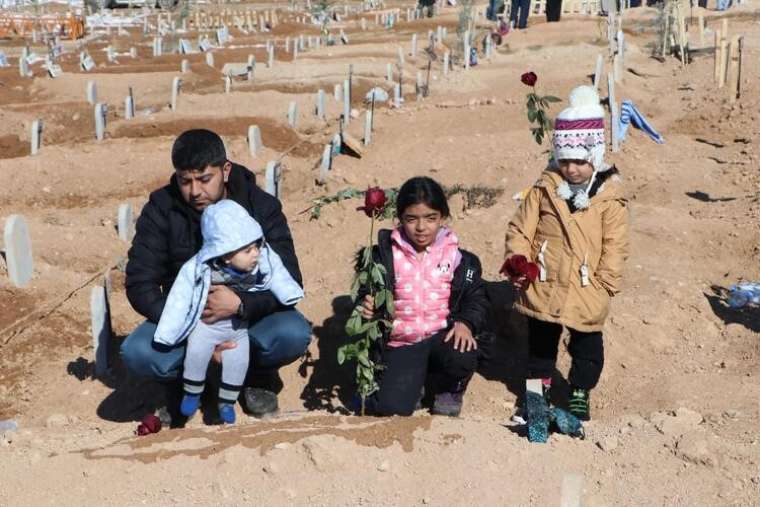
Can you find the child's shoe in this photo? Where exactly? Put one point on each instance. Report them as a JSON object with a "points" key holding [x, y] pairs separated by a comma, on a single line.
{"points": [[227, 413], [189, 405], [519, 415], [578, 404]]}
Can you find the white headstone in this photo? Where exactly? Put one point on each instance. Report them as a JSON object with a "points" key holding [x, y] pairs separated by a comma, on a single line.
{"points": [[18, 251], [338, 92], [397, 99], [36, 136], [446, 63], [100, 121], [346, 102], [184, 47], [125, 222], [129, 108], [467, 49], [184, 66], [613, 112], [400, 56], [100, 319], [210, 59], [292, 114], [176, 84], [414, 45], [87, 62], [3, 59], [251, 67], [92, 92], [227, 84], [272, 177], [598, 71], [389, 72], [133, 52], [320, 109], [254, 140], [23, 68], [367, 128], [326, 164], [270, 57]]}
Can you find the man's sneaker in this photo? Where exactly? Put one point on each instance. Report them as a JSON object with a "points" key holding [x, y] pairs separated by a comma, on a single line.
{"points": [[227, 413], [259, 402], [448, 404], [578, 404]]}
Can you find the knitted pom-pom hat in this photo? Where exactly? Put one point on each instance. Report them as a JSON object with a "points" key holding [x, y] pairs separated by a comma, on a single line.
{"points": [[579, 129]]}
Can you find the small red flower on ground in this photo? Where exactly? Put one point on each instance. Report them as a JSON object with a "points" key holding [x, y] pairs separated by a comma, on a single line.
{"points": [[150, 424]]}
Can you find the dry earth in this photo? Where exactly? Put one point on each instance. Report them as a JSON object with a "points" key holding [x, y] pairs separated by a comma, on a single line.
{"points": [[675, 416]]}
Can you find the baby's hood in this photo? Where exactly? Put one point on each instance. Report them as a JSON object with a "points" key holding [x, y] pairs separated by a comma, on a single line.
{"points": [[226, 226]]}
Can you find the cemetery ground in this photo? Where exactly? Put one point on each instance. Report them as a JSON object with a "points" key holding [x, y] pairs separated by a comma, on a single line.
{"points": [[675, 417]]}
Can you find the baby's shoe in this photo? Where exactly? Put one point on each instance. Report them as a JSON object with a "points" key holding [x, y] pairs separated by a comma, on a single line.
{"points": [[189, 405], [227, 413], [578, 404]]}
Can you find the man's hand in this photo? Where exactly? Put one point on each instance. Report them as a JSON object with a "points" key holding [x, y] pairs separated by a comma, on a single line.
{"points": [[367, 307], [217, 355], [222, 303], [463, 339]]}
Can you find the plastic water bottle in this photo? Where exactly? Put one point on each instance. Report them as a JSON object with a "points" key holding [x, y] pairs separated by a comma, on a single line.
{"points": [[743, 294]]}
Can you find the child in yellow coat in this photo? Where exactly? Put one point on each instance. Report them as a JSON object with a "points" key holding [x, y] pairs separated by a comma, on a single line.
{"points": [[573, 223]]}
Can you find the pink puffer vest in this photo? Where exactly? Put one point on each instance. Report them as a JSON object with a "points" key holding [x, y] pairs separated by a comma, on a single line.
{"points": [[423, 286]]}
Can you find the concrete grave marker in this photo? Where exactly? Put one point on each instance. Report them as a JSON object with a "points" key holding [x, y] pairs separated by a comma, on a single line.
{"points": [[446, 57], [367, 128], [204, 45], [270, 57], [397, 99], [18, 251], [389, 72], [326, 164], [467, 50], [210, 59], [346, 102], [129, 108], [125, 222], [36, 136], [133, 52], [92, 92], [571, 491], [272, 177], [338, 92], [157, 46], [254, 140], [292, 114], [400, 57], [176, 85], [320, 109], [227, 84], [23, 68], [251, 67], [414, 45], [110, 54], [101, 110], [86, 61], [185, 47], [100, 320], [614, 115], [54, 70], [598, 71], [3, 60], [184, 66]]}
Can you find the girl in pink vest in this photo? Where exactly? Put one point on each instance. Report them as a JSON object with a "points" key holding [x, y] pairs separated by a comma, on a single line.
{"points": [[440, 306]]}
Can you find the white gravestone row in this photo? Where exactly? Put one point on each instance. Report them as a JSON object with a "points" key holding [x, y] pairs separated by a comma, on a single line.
{"points": [[18, 251]]}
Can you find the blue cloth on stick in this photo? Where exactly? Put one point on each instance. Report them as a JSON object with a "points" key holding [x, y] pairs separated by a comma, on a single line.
{"points": [[629, 115]]}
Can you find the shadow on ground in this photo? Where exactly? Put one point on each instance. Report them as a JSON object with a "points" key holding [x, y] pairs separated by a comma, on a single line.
{"points": [[330, 386]]}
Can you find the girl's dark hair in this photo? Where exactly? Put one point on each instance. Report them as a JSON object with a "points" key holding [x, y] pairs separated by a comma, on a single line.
{"points": [[422, 190]]}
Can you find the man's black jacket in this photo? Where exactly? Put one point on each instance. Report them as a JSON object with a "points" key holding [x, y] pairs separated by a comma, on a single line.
{"points": [[168, 233], [467, 303]]}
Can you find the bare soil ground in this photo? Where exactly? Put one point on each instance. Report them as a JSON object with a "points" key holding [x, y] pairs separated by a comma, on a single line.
{"points": [[675, 415]]}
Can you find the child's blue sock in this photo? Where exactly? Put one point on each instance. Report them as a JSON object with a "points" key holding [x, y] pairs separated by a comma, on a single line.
{"points": [[189, 405], [227, 413]]}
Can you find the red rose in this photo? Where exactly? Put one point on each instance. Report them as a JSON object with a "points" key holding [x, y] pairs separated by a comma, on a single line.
{"points": [[150, 424], [531, 271], [514, 266], [374, 201], [529, 78]]}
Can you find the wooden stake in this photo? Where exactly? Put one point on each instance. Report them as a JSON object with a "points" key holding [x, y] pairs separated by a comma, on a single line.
{"points": [[734, 74], [716, 56], [723, 55]]}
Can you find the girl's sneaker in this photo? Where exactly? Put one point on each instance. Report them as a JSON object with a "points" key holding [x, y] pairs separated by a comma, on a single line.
{"points": [[227, 413], [578, 404], [189, 405]]}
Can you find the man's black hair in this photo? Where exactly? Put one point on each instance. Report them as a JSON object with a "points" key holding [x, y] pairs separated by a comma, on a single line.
{"points": [[422, 190], [196, 149]]}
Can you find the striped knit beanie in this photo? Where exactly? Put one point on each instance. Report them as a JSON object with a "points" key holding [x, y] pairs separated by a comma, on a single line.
{"points": [[579, 129]]}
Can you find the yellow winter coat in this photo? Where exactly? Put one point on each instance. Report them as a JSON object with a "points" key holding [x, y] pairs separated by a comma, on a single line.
{"points": [[597, 235]]}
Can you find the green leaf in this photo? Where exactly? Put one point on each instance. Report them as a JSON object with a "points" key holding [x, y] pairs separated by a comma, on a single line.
{"points": [[390, 305], [531, 115], [354, 324], [341, 355], [380, 298], [377, 276], [551, 98], [373, 332]]}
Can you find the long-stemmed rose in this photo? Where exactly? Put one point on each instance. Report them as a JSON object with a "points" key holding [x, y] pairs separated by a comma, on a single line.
{"points": [[537, 106], [370, 277]]}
